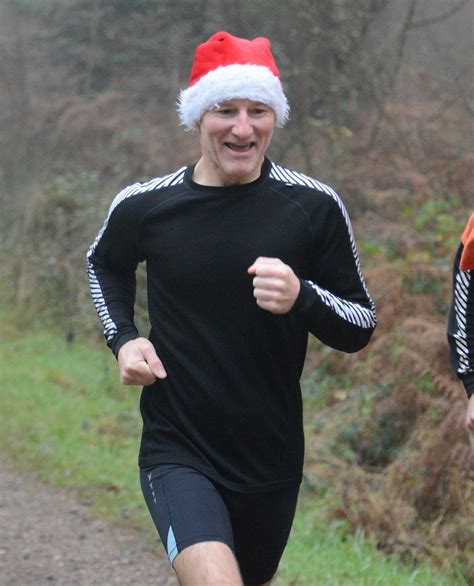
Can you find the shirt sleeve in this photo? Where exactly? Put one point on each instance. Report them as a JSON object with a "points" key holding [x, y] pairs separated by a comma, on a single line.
{"points": [[111, 266], [334, 301], [461, 323]]}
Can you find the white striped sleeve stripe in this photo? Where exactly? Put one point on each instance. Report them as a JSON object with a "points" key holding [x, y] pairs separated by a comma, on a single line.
{"points": [[277, 173], [108, 324], [110, 328], [352, 312], [461, 286]]}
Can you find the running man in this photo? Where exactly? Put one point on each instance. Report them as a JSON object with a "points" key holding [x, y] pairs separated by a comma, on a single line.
{"points": [[244, 258]]}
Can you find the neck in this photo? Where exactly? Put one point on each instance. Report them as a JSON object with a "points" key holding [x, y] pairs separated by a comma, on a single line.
{"points": [[205, 176]]}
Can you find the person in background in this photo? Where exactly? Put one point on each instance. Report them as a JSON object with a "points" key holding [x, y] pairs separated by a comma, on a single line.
{"points": [[461, 317], [244, 257]]}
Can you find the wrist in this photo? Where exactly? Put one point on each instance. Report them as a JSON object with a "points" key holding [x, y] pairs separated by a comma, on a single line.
{"points": [[121, 339]]}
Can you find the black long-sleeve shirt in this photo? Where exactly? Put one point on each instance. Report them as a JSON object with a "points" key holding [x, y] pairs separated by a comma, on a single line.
{"points": [[461, 315], [231, 403]]}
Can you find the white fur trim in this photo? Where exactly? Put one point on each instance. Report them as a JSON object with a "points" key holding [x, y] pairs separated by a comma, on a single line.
{"points": [[251, 82]]}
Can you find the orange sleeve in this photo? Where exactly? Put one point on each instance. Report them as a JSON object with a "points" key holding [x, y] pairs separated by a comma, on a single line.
{"points": [[467, 257]]}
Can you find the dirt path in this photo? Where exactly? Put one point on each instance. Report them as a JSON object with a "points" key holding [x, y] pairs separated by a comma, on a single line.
{"points": [[47, 538]]}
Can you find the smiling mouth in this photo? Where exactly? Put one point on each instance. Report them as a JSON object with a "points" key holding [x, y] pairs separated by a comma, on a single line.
{"points": [[240, 148]]}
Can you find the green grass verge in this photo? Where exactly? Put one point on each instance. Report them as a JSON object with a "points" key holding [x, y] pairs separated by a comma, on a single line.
{"points": [[65, 417], [322, 553]]}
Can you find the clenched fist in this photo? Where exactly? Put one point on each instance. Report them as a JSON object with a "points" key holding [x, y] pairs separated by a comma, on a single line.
{"points": [[139, 364], [275, 285]]}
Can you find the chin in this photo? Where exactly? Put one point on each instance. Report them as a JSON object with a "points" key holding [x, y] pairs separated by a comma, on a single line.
{"points": [[242, 171]]}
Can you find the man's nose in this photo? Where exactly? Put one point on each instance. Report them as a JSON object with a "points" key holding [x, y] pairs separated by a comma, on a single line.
{"points": [[242, 127]]}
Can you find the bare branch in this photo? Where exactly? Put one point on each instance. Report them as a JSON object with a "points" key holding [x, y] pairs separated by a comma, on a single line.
{"points": [[439, 18], [401, 43]]}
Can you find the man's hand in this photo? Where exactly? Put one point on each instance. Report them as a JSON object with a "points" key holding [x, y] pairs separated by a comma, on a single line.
{"points": [[470, 414], [276, 286], [139, 364]]}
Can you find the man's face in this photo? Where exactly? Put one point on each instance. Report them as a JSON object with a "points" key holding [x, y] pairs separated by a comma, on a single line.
{"points": [[234, 138]]}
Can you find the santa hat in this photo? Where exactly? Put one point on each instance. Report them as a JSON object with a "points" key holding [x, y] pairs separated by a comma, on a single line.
{"points": [[227, 67]]}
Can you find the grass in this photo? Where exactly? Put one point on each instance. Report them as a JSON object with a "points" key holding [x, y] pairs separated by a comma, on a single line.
{"points": [[322, 553], [65, 417]]}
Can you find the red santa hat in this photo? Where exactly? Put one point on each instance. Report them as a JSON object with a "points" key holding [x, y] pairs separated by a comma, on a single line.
{"points": [[227, 67]]}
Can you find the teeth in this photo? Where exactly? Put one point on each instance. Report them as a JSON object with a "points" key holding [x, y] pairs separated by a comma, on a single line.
{"points": [[239, 147]]}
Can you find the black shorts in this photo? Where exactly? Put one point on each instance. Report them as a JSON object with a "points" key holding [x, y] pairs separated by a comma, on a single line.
{"points": [[188, 508]]}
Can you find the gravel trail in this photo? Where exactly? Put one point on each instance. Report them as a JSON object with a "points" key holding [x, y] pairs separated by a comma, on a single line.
{"points": [[48, 538]]}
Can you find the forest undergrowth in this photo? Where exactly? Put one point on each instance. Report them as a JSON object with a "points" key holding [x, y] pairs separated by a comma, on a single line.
{"points": [[387, 437]]}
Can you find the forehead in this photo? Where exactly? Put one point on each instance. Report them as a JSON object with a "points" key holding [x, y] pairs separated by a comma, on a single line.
{"points": [[242, 102]]}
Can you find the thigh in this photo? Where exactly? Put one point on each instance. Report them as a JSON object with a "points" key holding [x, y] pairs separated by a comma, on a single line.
{"points": [[185, 507], [261, 525]]}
